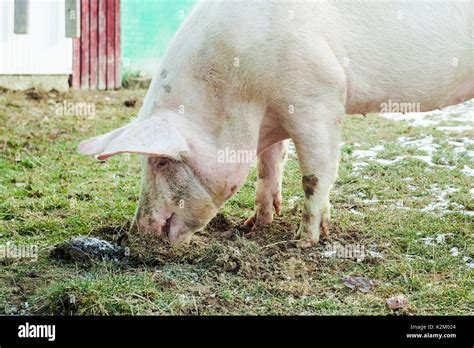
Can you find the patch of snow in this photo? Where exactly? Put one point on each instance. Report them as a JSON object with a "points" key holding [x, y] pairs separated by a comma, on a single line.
{"points": [[455, 128], [454, 251], [293, 199], [428, 240], [364, 153], [415, 118], [427, 140], [467, 141], [440, 238], [424, 123], [370, 201], [462, 150], [455, 143], [440, 202], [389, 162], [457, 113], [469, 262], [427, 159], [468, 171], [356, 167], [370, 153], [378, 148], [424, 144], [460, 146], [355, 212], [429, 149]]}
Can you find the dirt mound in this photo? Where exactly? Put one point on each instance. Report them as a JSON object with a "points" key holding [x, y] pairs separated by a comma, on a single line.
{"points": [[85, 249]]}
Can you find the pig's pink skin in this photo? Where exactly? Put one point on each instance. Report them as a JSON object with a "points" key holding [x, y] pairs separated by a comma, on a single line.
{"points": [[248, 76]]}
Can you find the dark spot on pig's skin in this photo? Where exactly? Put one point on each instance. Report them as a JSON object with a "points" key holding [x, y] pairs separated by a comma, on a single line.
{"points": [[167, 88], [150, 221], [309, 184], [232, 191], [262, 171], [164, 73], [306, 218]]}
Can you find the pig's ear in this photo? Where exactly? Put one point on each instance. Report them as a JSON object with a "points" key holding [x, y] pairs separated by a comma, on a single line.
{"points": [[152, 136]]}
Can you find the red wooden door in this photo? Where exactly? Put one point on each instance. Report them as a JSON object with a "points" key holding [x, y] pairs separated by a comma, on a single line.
{"points": [[97, 51]]}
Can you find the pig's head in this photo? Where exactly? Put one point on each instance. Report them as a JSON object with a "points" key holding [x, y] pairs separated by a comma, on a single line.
{"points": [[181, 187]]}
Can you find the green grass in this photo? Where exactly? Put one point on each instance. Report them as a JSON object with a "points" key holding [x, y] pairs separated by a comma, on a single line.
{"points": [[50, 194]]}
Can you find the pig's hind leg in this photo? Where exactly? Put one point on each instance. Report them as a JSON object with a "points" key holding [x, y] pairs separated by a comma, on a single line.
{"points": [[270, 165]]}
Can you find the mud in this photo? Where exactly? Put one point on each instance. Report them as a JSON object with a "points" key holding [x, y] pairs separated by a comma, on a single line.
{"points": [[131, 103], [224, 247]]}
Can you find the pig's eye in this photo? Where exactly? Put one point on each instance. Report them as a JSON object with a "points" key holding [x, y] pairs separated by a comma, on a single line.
{"points": [[159, 163]]}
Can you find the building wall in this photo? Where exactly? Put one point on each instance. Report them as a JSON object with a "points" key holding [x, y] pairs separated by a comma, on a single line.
{"points": [[147, 29], [44, 50]]}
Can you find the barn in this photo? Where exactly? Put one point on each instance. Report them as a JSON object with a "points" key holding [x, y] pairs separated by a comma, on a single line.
{"points": [[84, 44], [60, 44]]}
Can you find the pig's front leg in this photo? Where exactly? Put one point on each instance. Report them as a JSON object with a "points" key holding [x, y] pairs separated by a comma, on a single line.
{"points": [[268, 188], [316, 135]]}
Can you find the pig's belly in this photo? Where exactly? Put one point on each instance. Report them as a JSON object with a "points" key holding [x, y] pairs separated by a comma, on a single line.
{"points": [[417, 98]]}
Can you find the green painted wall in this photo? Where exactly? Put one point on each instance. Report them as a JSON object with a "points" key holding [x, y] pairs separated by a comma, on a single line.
{"points": [[147, 29]]}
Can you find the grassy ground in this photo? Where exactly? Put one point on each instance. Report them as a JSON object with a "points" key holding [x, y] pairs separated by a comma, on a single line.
{"points": [[413, 215]]}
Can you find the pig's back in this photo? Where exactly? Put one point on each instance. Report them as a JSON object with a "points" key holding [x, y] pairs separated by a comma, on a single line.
{"points": [[410, 52], [400, 51]]}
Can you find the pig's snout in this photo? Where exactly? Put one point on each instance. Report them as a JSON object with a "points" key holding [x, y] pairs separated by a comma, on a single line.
{"points": [[170, 227], [178, 232]]}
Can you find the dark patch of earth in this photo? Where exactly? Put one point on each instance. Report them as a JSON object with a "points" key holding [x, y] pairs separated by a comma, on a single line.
{"points": [[84, 249]]}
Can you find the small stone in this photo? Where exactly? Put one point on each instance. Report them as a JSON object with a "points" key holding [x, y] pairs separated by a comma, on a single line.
{"points": [[33, 95], [359, 283], [397, 302], [130, 103]]}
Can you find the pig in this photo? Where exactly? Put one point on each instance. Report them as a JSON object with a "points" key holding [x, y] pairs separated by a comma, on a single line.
{"points": [[244, 77]]}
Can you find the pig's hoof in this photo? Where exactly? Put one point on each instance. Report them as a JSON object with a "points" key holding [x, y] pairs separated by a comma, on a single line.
{"points": [[277, 202], [257, 221], [324, 228], [306, 243], [306, 238]]}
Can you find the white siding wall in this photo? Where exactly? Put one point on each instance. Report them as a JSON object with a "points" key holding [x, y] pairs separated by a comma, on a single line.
{"points": [[44, 50]]}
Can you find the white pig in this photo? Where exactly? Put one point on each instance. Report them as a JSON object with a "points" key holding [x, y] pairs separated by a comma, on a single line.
{"points": [[244, 76]]}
